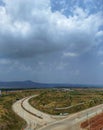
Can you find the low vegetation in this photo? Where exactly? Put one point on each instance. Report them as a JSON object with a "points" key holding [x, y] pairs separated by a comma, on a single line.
{"points": [[75, 99], [47, 101], [8, 119]]}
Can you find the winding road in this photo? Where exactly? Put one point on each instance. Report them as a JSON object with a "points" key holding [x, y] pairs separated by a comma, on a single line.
{"points": [[34, 118], [37, 120]]}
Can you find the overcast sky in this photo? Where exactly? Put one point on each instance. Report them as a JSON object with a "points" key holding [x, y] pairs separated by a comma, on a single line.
{"points": [[54, 41]]}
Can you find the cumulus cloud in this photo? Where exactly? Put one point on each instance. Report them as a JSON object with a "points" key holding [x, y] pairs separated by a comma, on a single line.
{"points": [[30, 27], [31, 31]]}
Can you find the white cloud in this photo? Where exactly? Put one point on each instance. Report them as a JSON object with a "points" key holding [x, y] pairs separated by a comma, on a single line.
{"points": [[80, 12], [100, 34], [70, 54], [32, 27]]}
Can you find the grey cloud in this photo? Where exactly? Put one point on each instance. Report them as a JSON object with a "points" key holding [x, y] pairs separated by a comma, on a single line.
{"points": [[37, 30], [36, 43]]}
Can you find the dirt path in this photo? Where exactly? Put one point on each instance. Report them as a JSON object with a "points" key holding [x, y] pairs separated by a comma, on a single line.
{"points": [[34, 118], [38, 120], [73, 122]]}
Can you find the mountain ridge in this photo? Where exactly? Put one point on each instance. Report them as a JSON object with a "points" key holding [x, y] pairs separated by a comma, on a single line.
{"points": [[31, 84]]}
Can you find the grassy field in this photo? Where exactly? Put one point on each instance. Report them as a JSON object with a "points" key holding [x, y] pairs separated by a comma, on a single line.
{"points": [[8, 119], [77, 99]]}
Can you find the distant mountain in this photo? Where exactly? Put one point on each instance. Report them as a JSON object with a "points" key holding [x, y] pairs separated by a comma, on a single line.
{"points": [[30, 84], [20, 84]]}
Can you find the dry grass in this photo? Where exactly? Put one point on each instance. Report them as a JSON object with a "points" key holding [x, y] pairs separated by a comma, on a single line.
{"points": [[48, 100]]}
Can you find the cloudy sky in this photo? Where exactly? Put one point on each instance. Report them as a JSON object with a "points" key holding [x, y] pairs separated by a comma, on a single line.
{"points": [[54, 41]]}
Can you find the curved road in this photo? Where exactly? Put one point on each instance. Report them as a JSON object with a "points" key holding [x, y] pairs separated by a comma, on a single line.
{"points": [[38, 120], [73, 121], [34, 118]]}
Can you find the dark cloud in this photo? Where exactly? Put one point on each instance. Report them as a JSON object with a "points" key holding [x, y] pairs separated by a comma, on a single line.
{"points": [[37, 42]]}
